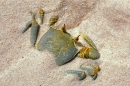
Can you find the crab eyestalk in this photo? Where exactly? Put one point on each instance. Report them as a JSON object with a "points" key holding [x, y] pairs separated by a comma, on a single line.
{"points": [[53, 20], [34, 32], [41, 12]]}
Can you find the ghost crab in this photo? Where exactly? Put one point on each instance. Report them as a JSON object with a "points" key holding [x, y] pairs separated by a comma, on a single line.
{"points": [[60, 42], [63, 46]]}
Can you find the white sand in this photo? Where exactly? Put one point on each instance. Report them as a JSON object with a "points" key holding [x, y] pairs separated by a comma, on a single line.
{"points": [[106, 22]]}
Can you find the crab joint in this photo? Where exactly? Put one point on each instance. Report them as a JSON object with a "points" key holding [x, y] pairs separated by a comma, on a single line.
{"points": [[41, 12], [53, 20], [76, 38], [84, 53], [89, 53], [63, 28]]}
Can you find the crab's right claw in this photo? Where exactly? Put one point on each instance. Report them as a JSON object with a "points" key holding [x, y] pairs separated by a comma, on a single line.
{"points": [[63, 28], [94, 76]]}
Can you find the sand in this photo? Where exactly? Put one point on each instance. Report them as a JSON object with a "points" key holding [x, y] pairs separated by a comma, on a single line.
{"points": [[106, 22]]}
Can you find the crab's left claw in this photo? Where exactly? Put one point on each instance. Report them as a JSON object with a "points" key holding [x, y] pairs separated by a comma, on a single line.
{"points": [[91, 69], [63, 28]]}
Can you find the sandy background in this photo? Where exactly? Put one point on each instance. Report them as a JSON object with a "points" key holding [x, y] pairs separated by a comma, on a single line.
{"points": [[106, 22]]}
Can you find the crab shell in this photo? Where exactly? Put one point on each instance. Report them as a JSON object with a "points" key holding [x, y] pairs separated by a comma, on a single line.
{"points": [[60, 44]]}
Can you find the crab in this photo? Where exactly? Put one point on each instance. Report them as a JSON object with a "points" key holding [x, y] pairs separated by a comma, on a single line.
{"points": [[60, 42]]}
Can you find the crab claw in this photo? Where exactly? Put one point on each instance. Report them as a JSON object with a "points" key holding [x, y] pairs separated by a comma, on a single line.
{"points": [[89, 53]]}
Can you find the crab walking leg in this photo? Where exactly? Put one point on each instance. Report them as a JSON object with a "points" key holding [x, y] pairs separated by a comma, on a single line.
{"points": [[41, 12], [94, 76], [76, 38], [29, 23], [90, 42], [53, 20], [34, 32], [81, 74], [63, 29]]}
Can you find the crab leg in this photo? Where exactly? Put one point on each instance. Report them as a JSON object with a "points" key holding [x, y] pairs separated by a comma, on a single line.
{"points": [[63, 28], [81, 74], [29, 23], [34, 32], [90, 42], [53, 20], [41, 12]]}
